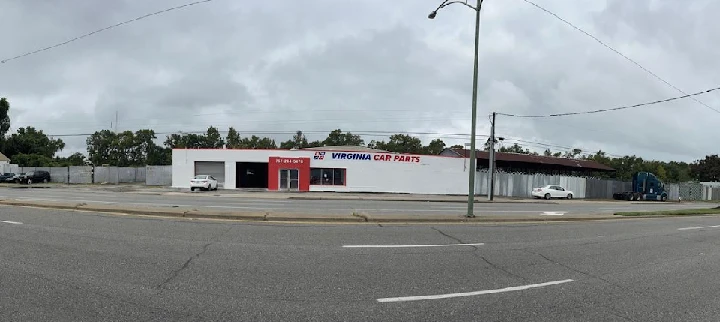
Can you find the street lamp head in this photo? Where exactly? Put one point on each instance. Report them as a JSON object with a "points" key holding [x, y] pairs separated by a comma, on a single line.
{"points": [[432, 14]]}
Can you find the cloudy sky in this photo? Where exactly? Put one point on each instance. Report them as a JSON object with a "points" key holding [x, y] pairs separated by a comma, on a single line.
{"points": [[368, 66]]}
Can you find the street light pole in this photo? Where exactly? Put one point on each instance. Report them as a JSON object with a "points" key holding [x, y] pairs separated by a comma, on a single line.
{"points": [[473, 157]]}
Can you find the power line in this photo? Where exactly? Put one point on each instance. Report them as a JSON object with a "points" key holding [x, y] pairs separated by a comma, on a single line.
{"points": [[225, 114], [384, 133], [614, 108], [618, 52], [371, 133], [103, 29]]}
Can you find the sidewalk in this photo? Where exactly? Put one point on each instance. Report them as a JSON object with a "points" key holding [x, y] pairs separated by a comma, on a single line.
{"points": [[341, 217], [353, 196]]}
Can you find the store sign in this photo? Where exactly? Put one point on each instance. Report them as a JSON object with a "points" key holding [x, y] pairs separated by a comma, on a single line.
{"points": [[351, 156], [397, 158], [376, 157], [289, 161]]}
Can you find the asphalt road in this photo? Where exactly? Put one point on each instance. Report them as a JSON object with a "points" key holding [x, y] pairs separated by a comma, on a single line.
{"points": [[68, 266], [230, 203]]}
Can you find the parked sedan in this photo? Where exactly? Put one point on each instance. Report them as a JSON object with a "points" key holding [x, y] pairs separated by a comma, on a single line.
{"points": [[203, 182], [551, 191], [7, 177]]}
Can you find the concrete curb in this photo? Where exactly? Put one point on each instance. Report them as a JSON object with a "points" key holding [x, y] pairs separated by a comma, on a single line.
{"points": [[419, 200]]}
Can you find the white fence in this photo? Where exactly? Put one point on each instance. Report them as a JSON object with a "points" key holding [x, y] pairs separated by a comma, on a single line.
{"points": [[518, 185], [150, 175], [514, 185]]}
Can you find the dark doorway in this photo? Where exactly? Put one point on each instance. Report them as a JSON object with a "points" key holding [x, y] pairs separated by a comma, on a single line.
{"points": [[252, 175]]}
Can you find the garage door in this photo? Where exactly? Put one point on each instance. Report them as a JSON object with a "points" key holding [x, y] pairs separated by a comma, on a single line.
{"points": [[215, 169]]}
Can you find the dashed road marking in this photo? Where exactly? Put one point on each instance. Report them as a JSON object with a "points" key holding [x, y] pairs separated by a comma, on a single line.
{"points": [[409, 246], [11, 222], [552, 213], [690, 228], [451, 295]]}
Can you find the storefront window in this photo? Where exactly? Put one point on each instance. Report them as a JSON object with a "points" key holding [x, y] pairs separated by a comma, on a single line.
{"points": [[339, 177], [327, 176], [315, 175]]}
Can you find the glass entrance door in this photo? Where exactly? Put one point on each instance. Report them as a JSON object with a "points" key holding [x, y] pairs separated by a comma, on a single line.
{"points": [[289, 179]]}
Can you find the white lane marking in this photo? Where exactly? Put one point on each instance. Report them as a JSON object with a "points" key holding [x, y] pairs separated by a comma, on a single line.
{"points": [[690, 228], [35, 199], [154, 204], [549, 213], [451, 295], [407, 246], [236, 207], [78, 200], [11, 222], [716, 226], [371, 210], [241, 202], [90, 201]]}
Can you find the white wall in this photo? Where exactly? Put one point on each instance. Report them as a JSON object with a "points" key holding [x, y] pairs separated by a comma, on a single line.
{"points": [[432, 175]]}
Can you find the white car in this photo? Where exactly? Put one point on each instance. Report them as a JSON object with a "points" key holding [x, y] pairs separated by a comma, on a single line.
{"points": [[203, 182], [551, 191]]}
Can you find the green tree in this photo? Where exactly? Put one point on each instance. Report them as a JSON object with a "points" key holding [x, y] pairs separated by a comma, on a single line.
{"points": [[160, 156], [457, 147], [4, 117], [143, 145], [126, 148], [572, 154], [213, 139], [255, 142], [76, 159], [434, 147], [100, 147], [338, 138], [28, 140], [707, 169], [232, 140], [299, 141], [401, 143], [32, 160], [515, 148], [678, 171], [661, 172], [210, 140]]}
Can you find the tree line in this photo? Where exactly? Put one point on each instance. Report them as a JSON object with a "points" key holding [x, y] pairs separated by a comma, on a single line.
{"points": [[31, 147], [139, 148], [707, 169]]}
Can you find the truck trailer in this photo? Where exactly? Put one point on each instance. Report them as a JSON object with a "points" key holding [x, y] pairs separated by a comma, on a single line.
{"points": [[645, 186]]}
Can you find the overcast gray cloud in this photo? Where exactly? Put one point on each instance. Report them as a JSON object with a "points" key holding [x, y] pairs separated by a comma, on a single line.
{"points": [[368, 65]]}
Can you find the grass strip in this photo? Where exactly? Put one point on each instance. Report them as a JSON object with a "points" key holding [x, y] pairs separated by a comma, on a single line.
{"points": [[678, 212]]}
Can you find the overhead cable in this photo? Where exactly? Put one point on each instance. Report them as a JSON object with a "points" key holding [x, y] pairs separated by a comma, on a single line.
{"points": [[102, 29], [614, 108], [619, 53]]}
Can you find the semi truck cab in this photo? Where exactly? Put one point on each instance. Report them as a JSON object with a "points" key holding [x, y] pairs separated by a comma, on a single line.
{"points": [[645, 186]]}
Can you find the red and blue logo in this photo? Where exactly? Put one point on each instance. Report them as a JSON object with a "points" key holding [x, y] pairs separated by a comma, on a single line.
{"points": [[319, 156]]}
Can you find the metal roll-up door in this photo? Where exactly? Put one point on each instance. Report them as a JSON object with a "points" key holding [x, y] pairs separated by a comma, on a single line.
{"points": [[212, 168]]}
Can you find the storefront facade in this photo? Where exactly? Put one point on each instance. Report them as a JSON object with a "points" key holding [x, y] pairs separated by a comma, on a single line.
{"points": [[314, 170]]}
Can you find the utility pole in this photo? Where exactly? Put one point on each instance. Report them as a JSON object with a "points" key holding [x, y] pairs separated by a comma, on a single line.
{"points": [[473, 158], [117, 168], [491, 164]]}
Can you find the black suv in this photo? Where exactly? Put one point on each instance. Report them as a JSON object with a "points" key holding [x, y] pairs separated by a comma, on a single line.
{"points": [[35, 176]]}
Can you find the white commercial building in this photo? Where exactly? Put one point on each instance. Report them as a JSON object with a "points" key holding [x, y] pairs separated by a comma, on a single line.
{"points": [[324, 169]]}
